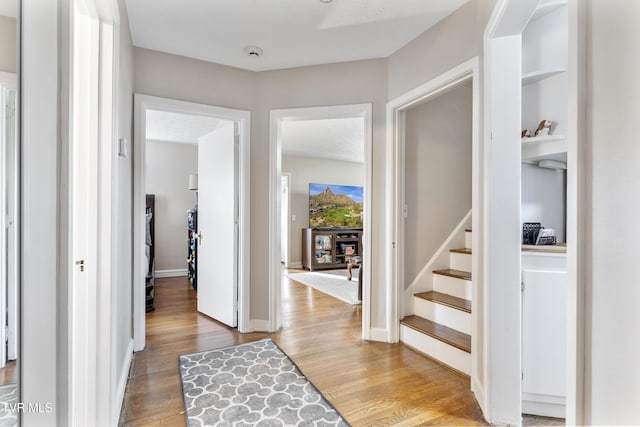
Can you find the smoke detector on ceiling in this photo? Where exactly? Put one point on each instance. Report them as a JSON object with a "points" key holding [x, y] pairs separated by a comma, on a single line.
{"points": [[326, 1], [253, 51]]}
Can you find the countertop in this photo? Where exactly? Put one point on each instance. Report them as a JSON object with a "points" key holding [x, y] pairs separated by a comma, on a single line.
{"points": [[560, 248]]}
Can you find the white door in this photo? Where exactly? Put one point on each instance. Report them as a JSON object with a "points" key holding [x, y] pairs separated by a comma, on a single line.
{"points": [[218, 225]]}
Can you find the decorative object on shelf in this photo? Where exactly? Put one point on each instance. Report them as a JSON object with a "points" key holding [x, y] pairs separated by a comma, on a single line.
{"points": [[525, 133], [543, 128], [530, 231], [546, 236]]}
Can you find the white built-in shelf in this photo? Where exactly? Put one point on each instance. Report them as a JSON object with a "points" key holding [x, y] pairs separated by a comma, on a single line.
{"points": [[547, 7], [536, 76], [548, 146], [540, 139]]}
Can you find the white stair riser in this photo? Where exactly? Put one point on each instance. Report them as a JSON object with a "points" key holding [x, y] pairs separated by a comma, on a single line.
{"points": [[450, 285], [467, 239], [443, 352], [447, 316], [458, 261]]}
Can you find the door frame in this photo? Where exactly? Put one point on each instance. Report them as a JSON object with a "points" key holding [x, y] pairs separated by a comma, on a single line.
{"points": [[277, 117], [242, 118], [9, 226], [506, 21], [287, 252], [395, 154]]}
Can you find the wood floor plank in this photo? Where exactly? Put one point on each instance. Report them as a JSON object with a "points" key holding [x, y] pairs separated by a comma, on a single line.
{"points": [[370, 383]]}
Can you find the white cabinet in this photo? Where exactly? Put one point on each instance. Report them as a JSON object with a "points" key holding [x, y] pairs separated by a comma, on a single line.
{"points": [[544, 333]]}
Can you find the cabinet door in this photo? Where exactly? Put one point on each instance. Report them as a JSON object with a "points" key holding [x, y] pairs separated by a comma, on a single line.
{"points": [[323, 248], [544, 329]]}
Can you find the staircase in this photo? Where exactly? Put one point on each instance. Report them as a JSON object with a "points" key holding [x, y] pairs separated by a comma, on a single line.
{"points": [[441, 326]]}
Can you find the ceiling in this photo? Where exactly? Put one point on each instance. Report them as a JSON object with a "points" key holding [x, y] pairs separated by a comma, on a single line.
{"points": [[291, 33], [176, 127], [333, 139]]}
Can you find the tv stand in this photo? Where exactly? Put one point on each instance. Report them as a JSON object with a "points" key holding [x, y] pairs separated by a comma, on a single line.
{"points": [[330, 248]]}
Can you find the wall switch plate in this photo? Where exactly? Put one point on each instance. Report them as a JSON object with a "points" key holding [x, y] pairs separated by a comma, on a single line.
{"points": [[405, 211], [293, 217]]}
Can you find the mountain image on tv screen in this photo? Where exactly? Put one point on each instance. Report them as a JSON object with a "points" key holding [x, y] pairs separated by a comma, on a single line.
{"points": [[335, 206]]}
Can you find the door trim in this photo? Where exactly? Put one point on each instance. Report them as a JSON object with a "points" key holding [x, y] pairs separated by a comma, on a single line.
{"points": [[287, 254], [274, 322], [142, 103]]}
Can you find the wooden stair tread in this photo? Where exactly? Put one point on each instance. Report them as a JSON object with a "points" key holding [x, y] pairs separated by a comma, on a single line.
{"points": [[458, 274], [442, 333], [468, 230], [466, 251], [445, 299]]}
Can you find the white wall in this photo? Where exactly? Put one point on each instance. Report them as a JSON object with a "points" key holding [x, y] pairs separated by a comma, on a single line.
{"points": [[334, 84], [612, 293], [544, 198], [437, 174], [123, 274], [8, 58], [305, 170], [40, 313], [452, 41], [169, 165]]}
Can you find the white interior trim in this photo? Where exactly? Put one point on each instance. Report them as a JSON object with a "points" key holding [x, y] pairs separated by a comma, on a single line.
{"points": [[396, 112], [287, 255], [142, 103], [121, 385], [577, 194], [9, 239], [275, 150], [176, 272], [504, 22]]}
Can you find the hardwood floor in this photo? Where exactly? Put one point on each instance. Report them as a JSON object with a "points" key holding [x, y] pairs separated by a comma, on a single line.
{"points": [[370, 383], [8, 374]]}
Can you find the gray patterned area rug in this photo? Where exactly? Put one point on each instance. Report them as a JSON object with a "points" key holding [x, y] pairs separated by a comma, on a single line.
{"points": [[8, 415], [251, 384]]}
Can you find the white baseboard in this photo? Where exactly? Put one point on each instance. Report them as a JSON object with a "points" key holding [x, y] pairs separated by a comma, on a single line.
{"points": [[296, 264], [478, 392], [121, 385], [179, 272], [378, 334], [259, 325]]}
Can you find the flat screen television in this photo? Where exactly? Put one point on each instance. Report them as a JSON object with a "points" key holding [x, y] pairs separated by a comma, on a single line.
{"points": [[335, 206]]}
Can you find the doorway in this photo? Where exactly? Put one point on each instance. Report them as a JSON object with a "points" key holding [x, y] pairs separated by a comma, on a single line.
{"points": [[231, 140], [279, 120], [9, 246]]}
